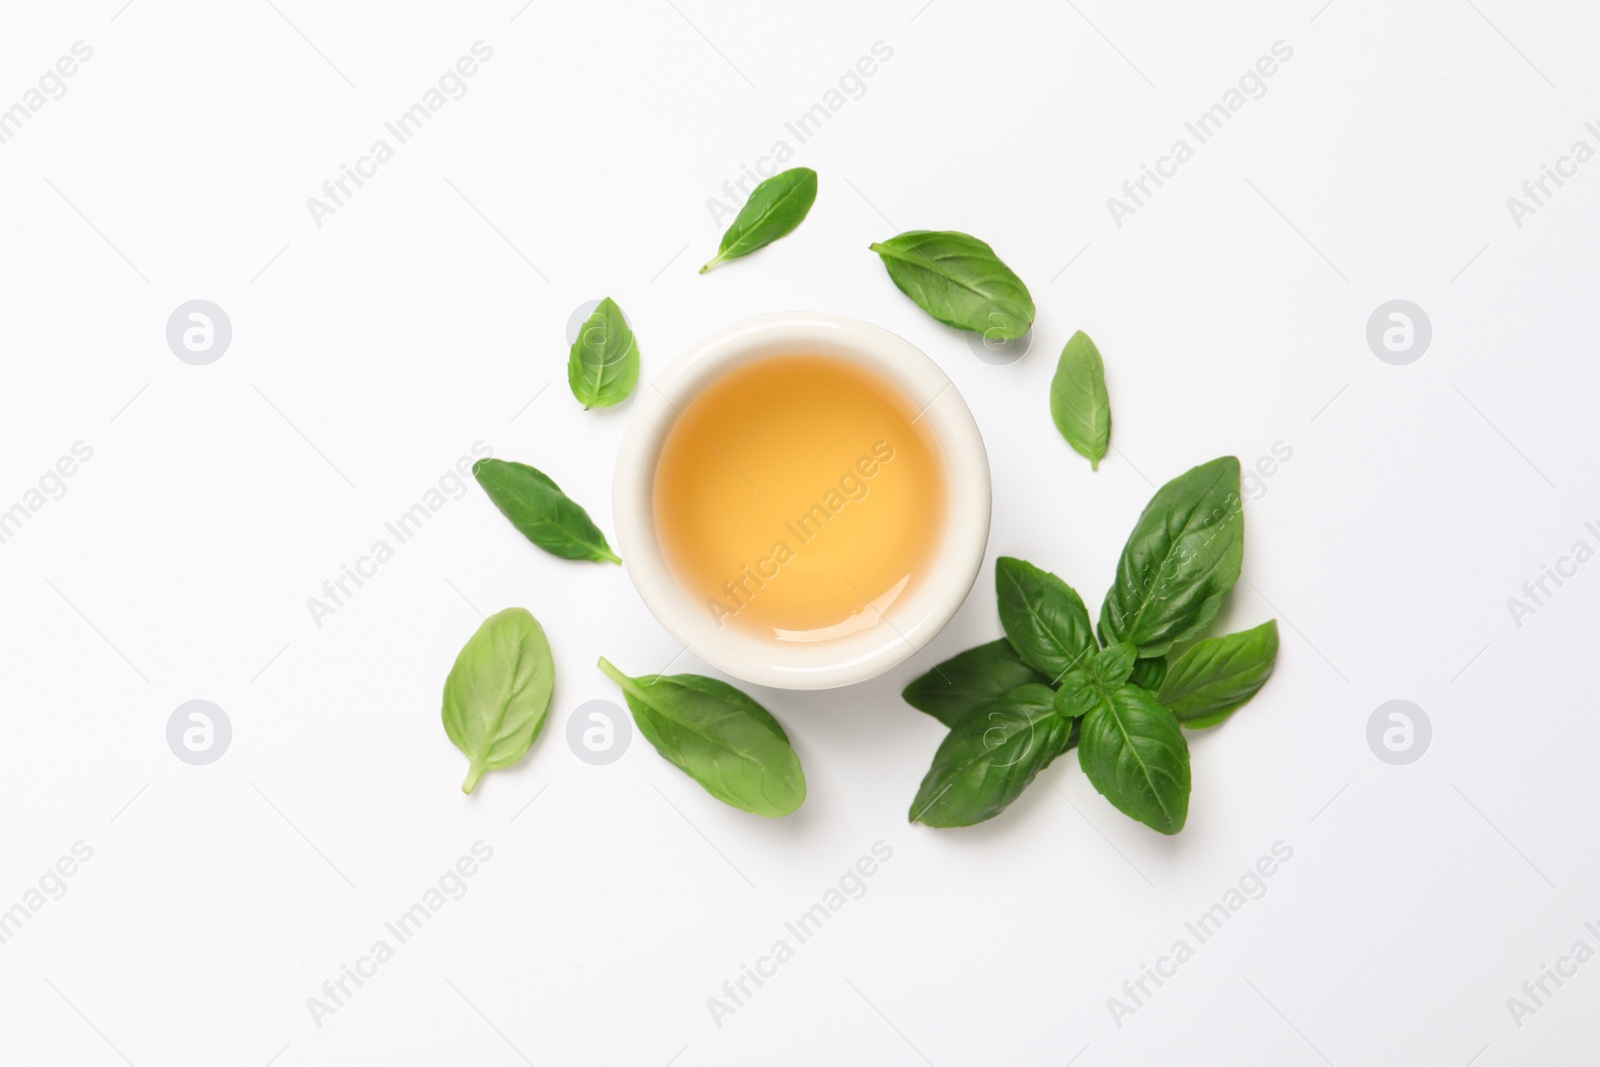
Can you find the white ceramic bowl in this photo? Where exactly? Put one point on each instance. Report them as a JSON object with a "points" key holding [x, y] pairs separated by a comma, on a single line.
{"points": [[909, 623]]}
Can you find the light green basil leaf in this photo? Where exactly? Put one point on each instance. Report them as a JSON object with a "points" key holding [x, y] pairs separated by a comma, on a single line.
{"points": [[1111, 667], [544, 514], [603, 366], [498, 692], [1077, 695], [774, 209], [1218, 675], [1136, 757], [1078, 401], [958, 280], [1044, 618], [990, 757], [970, 680], [719, 737], [1148, 673], [1104, 673], [1180, 561]]}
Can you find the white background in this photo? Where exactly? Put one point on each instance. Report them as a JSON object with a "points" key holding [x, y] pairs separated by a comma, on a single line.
{"points": [[372, 352]]}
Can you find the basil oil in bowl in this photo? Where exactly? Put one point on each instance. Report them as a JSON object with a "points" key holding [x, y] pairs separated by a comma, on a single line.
{"points": [[803, 500]]}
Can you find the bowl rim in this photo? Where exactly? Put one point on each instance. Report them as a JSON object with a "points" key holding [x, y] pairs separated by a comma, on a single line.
{"points": [[913, 621]]}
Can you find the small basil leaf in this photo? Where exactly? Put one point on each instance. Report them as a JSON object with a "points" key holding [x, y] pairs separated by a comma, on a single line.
{"points": [[1078, 402], [989, 757], [1110, 668], [603, 366], [1044, 618], [1136, 757], [719, 737], [970, 680], [1077, 696], [958, 280], [1180, 561], [1148, 674], [774, 209], [1219, 674], [543, 514], [498, 692]]}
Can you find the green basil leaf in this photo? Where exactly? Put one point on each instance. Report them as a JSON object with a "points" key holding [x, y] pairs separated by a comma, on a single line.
{"points": [[544, 514], [989, 757], [1111, 667], [1078, 695], [1078, 402], [1137, 758], [1044, 618], [958, 280], [603, 367], [498, 692], [1148, 673], [719, 737], [970, 680], [1180, 561], [1219, 674], [774, 209]]}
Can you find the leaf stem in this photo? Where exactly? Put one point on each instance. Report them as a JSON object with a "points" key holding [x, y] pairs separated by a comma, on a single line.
{"points": [[609, 669], [474, 776]]}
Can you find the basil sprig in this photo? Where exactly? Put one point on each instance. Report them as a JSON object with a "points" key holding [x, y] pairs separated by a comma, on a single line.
{"points": [[498, 692], [1054, 683], [958, 280], [542, 513], [603, 366], [1079, 405], [774, 209], [718, 736]]}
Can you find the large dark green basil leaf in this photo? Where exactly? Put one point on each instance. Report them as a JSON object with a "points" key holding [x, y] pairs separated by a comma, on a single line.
{"points": [[1079, 405], [1180, 561], [719, 737], [1135, 755], [970, 680], [774, 209], [958, 280], [989, 757], [544, 514], [1044, 617], [1219, 674], [603, 366], [498, 692]]}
